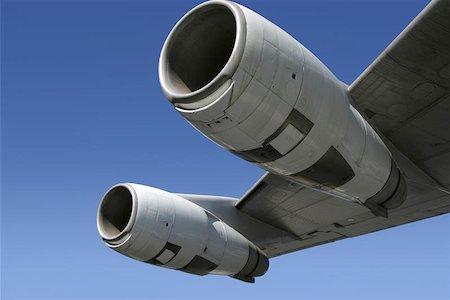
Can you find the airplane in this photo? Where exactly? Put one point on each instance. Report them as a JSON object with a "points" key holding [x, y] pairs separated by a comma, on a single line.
{"points": [[340, 161]]}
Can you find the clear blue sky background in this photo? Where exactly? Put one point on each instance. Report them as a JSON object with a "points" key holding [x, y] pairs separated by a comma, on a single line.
{"points": [[82, 110]]}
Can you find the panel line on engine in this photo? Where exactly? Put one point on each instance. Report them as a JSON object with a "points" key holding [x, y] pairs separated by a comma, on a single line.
{"points": [[199, 266], [331, 170], [268, 152], [159, 259]]}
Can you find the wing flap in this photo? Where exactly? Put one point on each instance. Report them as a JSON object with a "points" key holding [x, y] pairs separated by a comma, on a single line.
{"points": [[313, 218]]}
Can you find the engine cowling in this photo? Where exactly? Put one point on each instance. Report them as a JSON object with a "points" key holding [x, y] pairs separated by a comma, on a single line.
{"points": [[164, 229], [253, 89]]}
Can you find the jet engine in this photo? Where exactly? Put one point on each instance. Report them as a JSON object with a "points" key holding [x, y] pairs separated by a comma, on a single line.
{"points": [[164, 229], [257, 92], [254, 90]]}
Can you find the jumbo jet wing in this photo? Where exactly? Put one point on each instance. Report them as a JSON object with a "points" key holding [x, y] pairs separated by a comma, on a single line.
{"points": [[334, 172], [405, 95]]}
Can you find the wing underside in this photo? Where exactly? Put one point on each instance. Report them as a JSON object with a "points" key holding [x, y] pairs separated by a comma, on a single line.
{"points": [[405, 93], [315, 218]]}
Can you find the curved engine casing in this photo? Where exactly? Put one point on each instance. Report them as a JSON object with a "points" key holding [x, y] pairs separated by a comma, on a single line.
{"points": [[164, 229], [253, 89]]}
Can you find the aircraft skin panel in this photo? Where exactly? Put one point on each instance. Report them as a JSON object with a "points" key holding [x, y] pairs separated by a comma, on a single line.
{"points": [[405, 92]]}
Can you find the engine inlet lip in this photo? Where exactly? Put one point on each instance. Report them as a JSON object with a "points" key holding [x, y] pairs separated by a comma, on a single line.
{"points": [[227, 71], [124, 234]]}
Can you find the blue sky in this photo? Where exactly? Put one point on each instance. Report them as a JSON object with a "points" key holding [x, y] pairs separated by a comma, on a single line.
{"points": [[81, 110]]}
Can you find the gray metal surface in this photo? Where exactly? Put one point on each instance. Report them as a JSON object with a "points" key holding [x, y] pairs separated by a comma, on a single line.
{"points": [[280, 108], [164, 229], [405, 95], [405, 92], [315, 218]]}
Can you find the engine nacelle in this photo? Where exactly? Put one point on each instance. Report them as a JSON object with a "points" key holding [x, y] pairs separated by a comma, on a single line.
{"points": [[253, 89], [164, 229]]}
